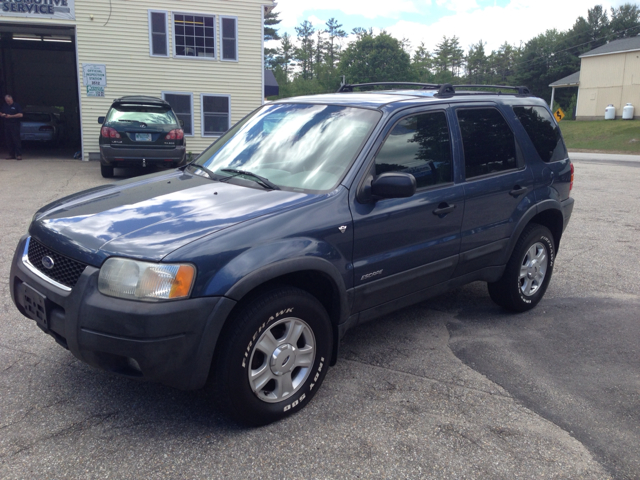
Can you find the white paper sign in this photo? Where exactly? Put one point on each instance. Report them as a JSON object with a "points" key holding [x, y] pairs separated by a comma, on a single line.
{"points": [[95, 74]]}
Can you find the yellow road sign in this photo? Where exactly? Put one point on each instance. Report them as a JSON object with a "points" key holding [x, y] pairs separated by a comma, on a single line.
{"points": [[559, 114]]}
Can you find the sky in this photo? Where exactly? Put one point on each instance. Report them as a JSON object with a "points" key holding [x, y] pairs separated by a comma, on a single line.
{"points": [[492, 21]]}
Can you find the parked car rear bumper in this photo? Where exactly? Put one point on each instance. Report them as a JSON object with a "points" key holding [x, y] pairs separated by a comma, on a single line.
{"points": [[135, 157]]}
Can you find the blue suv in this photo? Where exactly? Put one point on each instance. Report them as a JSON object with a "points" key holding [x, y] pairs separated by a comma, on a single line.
{"points": [[310, 216]]}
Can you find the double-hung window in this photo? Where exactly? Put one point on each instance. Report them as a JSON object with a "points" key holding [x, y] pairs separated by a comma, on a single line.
{"points": [[216, 114], [158, 34], [182, 104], [194, 35], [229, 33]]}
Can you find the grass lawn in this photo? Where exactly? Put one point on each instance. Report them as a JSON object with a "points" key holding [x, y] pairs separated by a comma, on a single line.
{"points": [[611, 136]]}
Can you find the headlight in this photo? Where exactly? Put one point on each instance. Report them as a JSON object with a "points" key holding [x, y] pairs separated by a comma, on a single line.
{"points": [[151, 282]]}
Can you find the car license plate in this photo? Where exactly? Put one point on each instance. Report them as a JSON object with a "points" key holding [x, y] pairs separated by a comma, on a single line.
{"points": [[143, 137], [35, 305]]}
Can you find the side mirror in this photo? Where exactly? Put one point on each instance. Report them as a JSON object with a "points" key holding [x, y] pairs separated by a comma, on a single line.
{"points": [[100, 120], [393, 185]]}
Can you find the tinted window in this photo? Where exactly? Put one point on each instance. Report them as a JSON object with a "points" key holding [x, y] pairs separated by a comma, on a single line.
{"points": [[543, 132], [489, 144], [36, 117], [142, 114], [418, 145]]}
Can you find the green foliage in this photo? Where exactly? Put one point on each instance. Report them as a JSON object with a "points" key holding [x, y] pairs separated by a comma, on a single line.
{"points": [[375, 59]]}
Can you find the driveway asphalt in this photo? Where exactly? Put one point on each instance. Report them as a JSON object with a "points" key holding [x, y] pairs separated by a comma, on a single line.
{"points": [[451, 388]]}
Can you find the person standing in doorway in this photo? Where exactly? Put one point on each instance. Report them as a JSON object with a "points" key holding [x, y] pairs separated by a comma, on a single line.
{"points": [[12, 113]]}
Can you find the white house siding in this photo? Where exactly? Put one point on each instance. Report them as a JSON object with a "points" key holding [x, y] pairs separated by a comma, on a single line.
{"points": [[612, 79], [120, 39]]}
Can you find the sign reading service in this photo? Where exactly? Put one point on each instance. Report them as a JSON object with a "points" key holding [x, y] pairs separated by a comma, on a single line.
{"points": [[60, 9]]}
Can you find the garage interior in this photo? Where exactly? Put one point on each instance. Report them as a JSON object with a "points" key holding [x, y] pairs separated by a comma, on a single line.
{"points": [[38, 68]]}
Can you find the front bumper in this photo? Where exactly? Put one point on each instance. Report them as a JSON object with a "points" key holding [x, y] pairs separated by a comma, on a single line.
{"points": [[166, 342], [136, 157]]}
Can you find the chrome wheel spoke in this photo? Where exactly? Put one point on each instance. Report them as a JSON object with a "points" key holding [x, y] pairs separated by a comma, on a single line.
{"points": [[305, 357], [260, 377], [294, 331], [267, 343], [284, 386], [531, 254], [524, 270]]}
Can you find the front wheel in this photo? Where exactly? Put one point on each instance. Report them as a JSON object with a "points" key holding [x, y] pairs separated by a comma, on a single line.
{"points": [[528, 271], [273, 357]]}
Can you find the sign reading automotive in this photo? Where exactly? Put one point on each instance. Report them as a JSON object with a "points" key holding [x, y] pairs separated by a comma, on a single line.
{"points": [[60, 9], [95, 74]]}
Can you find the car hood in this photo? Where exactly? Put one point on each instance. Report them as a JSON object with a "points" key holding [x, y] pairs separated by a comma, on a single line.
{"points": [[151, 217]]}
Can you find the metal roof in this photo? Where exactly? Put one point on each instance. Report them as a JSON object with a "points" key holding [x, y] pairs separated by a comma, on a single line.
{"points": [[572, 80], [616, 46]]}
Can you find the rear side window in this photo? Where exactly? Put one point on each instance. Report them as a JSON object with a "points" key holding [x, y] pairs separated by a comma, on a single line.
{"points": [[489, 144], [418, 145], [543, 132]]}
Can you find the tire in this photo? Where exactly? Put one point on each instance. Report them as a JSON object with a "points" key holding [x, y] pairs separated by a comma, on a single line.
{"points": [[528, 271], [107, 172], [273, 357]]}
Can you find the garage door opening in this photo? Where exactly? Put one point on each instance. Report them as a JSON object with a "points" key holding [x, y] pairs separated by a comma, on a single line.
{"points": [[38, 67]]}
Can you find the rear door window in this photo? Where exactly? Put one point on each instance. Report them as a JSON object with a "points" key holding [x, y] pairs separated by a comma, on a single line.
{"points": [[489, 144], [418, 145], [543, 132]]}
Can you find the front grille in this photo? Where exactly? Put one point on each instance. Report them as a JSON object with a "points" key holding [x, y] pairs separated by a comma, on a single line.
{"points": [[64, 271]]}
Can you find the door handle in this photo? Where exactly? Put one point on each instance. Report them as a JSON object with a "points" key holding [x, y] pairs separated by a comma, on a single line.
{"points": [[518, 190], [443, 209]]}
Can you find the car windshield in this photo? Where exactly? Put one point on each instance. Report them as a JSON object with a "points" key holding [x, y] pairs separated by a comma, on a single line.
{"points": [[36, 117], [141, 114], [294, 146]]}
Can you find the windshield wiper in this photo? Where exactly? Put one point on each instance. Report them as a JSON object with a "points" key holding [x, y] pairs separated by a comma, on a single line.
{"points": [[201, 167], [257, 178]]}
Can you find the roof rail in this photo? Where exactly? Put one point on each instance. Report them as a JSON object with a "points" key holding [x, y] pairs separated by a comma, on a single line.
{"points": [[521, 90], [444, 90], [425, 86]]}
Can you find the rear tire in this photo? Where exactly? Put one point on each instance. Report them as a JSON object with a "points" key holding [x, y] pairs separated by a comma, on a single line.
{"points": [[273, 356], [528, 271], [107, 171]]}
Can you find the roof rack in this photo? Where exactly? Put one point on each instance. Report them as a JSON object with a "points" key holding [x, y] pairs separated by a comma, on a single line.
{"points": [[425, 86], [521, 90], [444, 89]]}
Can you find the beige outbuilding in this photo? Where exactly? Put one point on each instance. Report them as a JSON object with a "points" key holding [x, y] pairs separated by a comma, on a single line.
{"points": [[205, 57], [609, 75]]}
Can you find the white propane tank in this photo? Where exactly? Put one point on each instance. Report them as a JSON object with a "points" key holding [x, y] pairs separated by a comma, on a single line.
{"points": [[610, 113], [627, 112]]}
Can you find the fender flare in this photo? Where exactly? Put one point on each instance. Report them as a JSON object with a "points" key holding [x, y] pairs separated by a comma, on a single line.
{"points": [[293, 265], [526, 219]]}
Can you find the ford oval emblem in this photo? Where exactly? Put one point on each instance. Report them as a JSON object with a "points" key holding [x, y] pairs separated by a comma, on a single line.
{"points": [[47, 262]]}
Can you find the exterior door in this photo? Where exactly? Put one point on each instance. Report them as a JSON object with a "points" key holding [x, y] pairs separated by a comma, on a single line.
{"points": [[498, 187], [404, 245]]}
